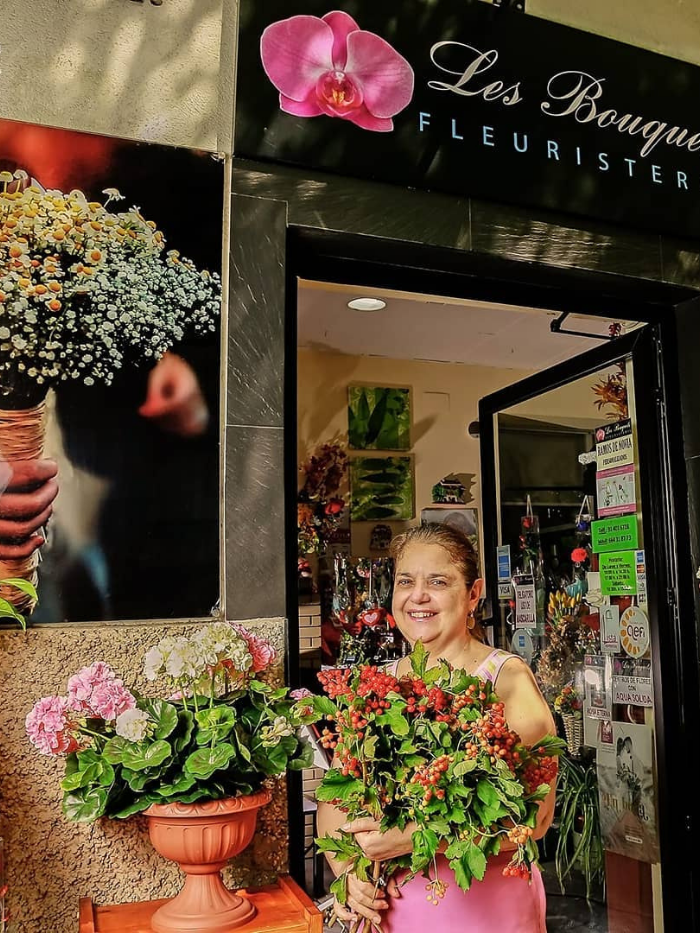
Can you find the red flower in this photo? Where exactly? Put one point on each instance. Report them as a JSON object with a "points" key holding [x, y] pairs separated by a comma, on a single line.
{"points": [[579, 555], [334, 507]]}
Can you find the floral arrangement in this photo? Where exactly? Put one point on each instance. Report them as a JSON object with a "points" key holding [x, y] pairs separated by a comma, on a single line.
{"points": [[612, 393], [568, 702], [562, 650], [320, 505], [84, 290], [431, 749], [221, 733]]}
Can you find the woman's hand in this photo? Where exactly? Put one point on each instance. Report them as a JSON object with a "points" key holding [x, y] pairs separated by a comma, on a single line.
{"points": [[362, 901], [381, 846]]}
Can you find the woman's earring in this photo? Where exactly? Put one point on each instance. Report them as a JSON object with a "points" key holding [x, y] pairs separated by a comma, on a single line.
{"points": [[470, 620]]}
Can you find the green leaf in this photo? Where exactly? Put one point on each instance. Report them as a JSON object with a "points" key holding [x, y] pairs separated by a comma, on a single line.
{"points": [[464, 767], [425, 846], [140, 755], [85, 806], [114, 749], [462, 872], [550, 745], [163, 714], [185, 728], [205, 761], [376, 420], [339, 888], [107, 775], [396, 722], [179, 785], [305, 759], [486, 792], [324, 706], [136, 806], [19, 584], [214, 725], [336, 785], [476, 860], [419, 659], [75, 780], [369, 746]]}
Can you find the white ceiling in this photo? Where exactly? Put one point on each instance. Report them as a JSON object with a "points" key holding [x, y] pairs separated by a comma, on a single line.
{"points": [[422, 327]]}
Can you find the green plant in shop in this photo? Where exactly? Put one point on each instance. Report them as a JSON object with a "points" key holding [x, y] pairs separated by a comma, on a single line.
{"points": [[379, 418], [579, 844]]}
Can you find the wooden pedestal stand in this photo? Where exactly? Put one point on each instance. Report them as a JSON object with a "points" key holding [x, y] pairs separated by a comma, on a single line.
{"points": [[281, 908]]}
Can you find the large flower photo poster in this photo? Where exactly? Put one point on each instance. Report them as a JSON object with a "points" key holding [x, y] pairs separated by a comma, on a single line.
{"points": [[110, 306]]}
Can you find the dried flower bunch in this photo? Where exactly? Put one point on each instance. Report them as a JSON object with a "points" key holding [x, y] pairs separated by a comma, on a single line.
{"points": [[221, 734], [84, 291], [569, 638], [320, 505], [612, 392]]}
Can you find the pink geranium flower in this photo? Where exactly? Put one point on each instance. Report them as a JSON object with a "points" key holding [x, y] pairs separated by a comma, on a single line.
{"points": [[330, 66], [97, 691], [262, 652], [49, 727]]}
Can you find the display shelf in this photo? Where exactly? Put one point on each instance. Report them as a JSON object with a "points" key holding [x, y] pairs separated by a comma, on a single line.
{"points": [[281, 908]]}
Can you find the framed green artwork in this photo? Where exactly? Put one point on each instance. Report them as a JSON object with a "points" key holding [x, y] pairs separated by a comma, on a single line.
{"points": [[379, 418], [381, 488]]}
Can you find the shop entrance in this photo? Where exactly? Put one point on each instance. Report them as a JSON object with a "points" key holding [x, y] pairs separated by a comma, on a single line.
{"points": [[558, 462]]}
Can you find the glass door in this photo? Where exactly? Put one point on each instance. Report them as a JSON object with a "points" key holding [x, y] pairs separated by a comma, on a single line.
{"points": [[578, 536]]}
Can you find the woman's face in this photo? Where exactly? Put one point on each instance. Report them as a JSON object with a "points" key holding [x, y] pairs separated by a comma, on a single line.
{"points": [[431, 600]]}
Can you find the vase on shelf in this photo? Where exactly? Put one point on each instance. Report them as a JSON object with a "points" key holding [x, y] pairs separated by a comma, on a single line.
{"points": [[201, 838]]}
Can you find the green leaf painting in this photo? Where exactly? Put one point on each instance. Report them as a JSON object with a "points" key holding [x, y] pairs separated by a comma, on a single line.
{"points": [[381, 488], [379, 418]]}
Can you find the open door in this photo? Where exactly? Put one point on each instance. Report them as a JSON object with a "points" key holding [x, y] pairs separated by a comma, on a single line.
{"points": [[581, 567]]}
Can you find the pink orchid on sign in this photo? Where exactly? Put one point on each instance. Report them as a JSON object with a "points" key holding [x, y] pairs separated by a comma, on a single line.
{"points": [[330, 66]]}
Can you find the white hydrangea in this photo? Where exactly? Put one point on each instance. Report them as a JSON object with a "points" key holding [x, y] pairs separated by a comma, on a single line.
{"points": [[132, 725]]}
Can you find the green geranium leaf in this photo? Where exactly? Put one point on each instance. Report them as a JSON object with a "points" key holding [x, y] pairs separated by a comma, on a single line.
{"points": [[205, 761], [107, 775], [185, 728], [179, 785], [114, 750], [141, 755], [85, 805], [163, 714], [214, 725], [136, 806]]}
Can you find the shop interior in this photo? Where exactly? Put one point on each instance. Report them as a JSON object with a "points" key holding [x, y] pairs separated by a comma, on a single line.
{"points": [[388, 391]]}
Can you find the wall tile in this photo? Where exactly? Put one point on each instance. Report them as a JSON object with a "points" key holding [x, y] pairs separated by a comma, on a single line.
{"points": [[255, 540], [256, 312], [563, 241]]}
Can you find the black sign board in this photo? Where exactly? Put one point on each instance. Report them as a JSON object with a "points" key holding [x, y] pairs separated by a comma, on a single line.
{"points": [[461, 97]]}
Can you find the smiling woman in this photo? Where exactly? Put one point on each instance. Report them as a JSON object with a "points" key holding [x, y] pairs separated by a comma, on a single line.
{"points": [[436, 592]]}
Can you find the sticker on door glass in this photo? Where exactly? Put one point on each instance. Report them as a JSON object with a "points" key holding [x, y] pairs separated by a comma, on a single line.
{"points": [[634, 632], [616, 491]]}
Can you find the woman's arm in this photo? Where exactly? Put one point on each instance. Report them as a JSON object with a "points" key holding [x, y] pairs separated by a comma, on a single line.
{"points": [[527, 713]]}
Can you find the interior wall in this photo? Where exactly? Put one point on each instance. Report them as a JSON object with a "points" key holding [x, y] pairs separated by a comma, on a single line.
{"points": [[445, 398]]}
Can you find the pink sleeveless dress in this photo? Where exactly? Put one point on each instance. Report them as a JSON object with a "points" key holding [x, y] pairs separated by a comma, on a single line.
{"points": [[494, 905]]}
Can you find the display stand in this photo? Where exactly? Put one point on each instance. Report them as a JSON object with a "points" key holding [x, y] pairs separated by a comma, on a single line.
{"points": [[280, 908]]}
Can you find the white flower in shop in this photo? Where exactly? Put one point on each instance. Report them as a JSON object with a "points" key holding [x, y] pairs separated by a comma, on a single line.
{"points": [[132, 725], [272, 735]]}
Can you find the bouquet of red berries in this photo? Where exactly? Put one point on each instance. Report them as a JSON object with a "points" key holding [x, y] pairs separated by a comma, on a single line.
{"points": [[432, 749]]}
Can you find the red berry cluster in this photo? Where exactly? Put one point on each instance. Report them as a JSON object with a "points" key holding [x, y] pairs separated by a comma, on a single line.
{"points": [[429, 777], [492, 735], [358, 723], [376, 682], [516, 870], [329, 739], [335, 682], [540, 771]]}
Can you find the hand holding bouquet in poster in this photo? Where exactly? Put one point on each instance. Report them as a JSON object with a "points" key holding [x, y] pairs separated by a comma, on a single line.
{"points": [[428, 764]]}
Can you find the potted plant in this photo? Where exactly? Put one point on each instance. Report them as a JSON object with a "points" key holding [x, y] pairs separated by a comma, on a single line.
{"points": [[196, 762], [579, 843]]}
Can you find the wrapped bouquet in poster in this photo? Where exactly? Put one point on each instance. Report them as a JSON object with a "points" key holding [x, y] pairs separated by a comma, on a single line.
{"points": [[431, 749], [84, 291]]}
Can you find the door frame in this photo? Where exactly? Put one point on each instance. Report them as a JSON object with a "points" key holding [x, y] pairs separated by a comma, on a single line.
{"points": [[371, 261]]}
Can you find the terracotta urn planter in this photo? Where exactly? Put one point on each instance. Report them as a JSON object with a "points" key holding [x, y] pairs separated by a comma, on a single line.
{"points": [[201, 838]]}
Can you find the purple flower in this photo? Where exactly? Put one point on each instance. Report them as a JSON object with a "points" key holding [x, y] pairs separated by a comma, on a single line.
{"points": [[300, 694]]}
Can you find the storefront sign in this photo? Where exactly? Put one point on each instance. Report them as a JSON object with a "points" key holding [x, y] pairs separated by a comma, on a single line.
{"points": [[525, 605], [618, 573], [631, 682], [634, 632], [642, 600], [458, 96], [610, 628], [614, 445], [614, 534], [616, 491]]}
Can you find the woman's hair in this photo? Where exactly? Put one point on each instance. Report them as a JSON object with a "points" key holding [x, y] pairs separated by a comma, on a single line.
{"points": [[454, 541]]}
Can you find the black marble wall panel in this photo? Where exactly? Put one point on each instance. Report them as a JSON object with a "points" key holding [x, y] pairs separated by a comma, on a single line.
{"points": [[688, 328], [563, 241], [256, 312], [331, 202], [255, 546], [681, 262]]}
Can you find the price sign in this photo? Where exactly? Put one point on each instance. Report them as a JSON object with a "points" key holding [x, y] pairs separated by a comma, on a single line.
{"points": [[525, 605]]}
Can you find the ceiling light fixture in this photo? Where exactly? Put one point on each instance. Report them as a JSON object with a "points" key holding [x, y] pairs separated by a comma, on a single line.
{"points": [[367, 304]]}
